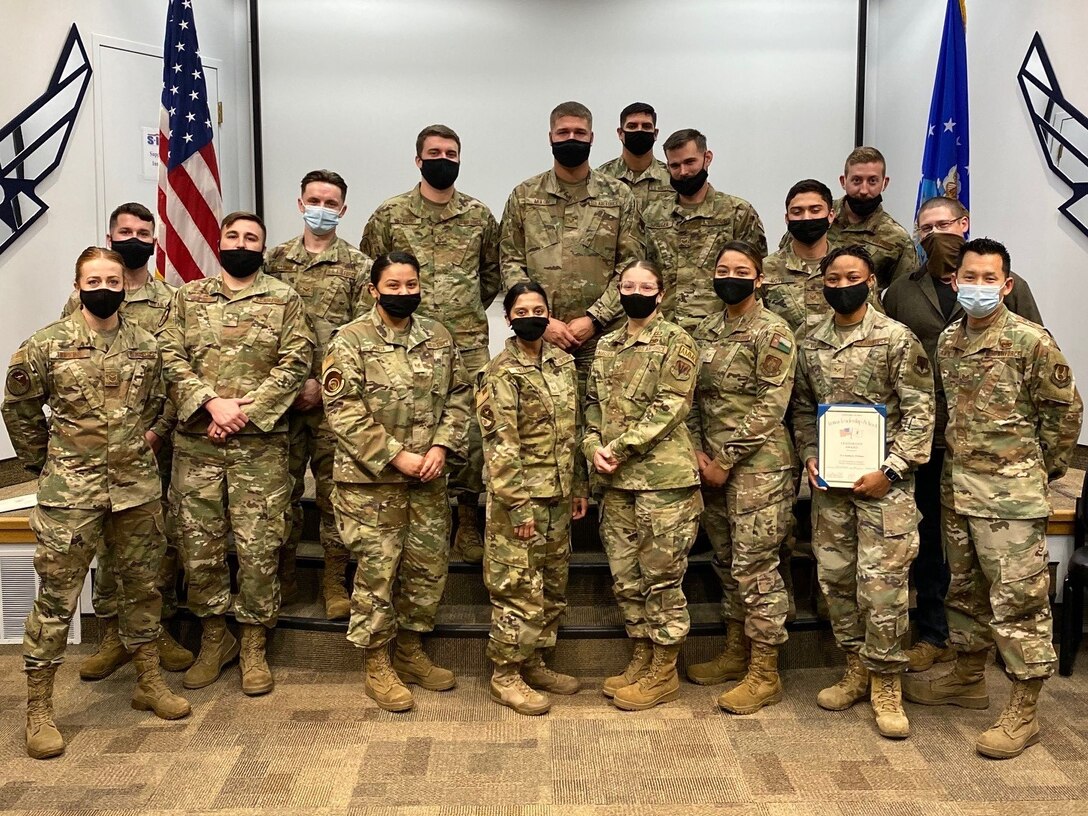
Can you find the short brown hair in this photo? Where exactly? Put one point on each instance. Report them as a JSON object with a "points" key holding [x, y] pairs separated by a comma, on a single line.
{"points": [[682, 137], [327, 177], [436, 130], [131, 208], [865, 155], [242, 215], [576, 109], [958, 210], [94, 252]]}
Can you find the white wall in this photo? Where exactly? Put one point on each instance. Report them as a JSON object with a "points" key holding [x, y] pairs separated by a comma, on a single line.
{"points": [[1014, 196], [36, 271]]}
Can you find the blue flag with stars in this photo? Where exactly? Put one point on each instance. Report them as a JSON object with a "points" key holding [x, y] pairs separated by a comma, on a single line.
{"points": [[945, 162]]}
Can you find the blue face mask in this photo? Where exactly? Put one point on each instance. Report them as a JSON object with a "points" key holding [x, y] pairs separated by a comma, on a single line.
{"points": [[978, 300], [319, 220]]}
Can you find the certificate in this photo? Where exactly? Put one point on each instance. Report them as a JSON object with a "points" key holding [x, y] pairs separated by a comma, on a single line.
{"points": [[851, 442]]}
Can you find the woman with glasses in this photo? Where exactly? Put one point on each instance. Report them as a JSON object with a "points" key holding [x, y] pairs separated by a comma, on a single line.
{"points": [[639, 393], [746, 461]]}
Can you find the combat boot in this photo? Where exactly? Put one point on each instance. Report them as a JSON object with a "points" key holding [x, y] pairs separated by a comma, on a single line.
{"points": [[887, 702], [111, 654], [337, 602], [731, 664], [923, 654], [256, 676], [639, 665], [1017, 728], [467, 542], [509, 688], [964, 686], [218, 647], [853, 686], [43, 740], [760, 687], [382, 684], [411, 663], [151, 692], [172, 655], [288, 573], [541, 678], [660, 684]]}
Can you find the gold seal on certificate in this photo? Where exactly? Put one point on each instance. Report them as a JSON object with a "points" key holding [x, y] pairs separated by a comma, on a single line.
{"points": [[851, 442]]}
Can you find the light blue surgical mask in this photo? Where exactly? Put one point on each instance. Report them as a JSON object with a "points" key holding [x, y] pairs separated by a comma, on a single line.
{"points": [[319, 220], [978, 300]]}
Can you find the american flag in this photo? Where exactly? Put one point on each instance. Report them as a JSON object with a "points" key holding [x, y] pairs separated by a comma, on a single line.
{"points": [[190, 195]]}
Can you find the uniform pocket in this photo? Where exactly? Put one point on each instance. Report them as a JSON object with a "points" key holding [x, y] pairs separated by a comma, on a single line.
{"points": [[899, 519], [669, 520], [999, 391]]}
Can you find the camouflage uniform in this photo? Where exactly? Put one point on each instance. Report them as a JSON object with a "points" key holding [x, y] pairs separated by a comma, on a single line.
{"points": [[528, 409], [651, 185], [1014, 415], [97, 479], [743, 389], [864, 547], [890, 246], [684, 242], [639, 393], [252, 343], [457, 247], [332, 285], [149, 308], [386, 392]]}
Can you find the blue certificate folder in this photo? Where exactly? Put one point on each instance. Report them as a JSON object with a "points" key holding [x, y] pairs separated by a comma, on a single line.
{"points": [[862, 426]]}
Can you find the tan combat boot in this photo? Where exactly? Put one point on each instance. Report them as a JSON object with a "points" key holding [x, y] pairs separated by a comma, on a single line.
{"points": [[288, 573], [151, 692], [413, 665], [111, 654], [539, 677], [660, 684], [923, 654], [509, 688], [337, 602], [760, 687], [43, 740], [731, 664], [172, 655], [887, 702], [853, 686], [382, 684], [467, 542], [218, 647], [964, 686], [639, 665], [256, 676], [1017, 728]]}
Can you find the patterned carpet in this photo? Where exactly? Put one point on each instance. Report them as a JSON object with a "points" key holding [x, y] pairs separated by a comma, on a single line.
{"points": [[317, 745]]}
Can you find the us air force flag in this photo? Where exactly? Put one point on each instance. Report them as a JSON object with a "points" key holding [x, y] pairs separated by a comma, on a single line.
{"points": [[945, 161]]}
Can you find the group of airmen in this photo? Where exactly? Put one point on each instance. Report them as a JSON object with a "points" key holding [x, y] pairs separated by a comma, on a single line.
{"points": [[661, 364]]}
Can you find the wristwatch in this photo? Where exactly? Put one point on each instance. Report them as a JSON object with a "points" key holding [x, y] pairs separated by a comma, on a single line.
{"points": [[598, 326], [891, 475]]}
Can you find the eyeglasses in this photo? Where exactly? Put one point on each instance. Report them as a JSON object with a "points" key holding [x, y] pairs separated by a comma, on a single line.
{"points": [[936, 226], [641, 288]]}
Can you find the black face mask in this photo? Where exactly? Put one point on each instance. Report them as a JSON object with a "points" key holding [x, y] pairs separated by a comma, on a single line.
{"points": [[399, 306], [734, 290], [864, 207], [691, 185], [133, 251], [102, 303], [638, 142], [638, 306], [809, 230], [847, 299], [440, 173], [529, 328], [240, 263], [571, 152]]}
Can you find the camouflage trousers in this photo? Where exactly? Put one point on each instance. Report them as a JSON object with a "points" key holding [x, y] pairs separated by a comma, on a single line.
{"points": [[1000, 590], [467, 480], [67, 540], [527, 580], [747, 523], [864, 548], [242, 486], [647, 535], [400, 537], [311, 441]]}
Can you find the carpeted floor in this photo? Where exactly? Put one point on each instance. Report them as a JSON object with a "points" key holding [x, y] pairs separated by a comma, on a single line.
{"points": [[317, 745]]}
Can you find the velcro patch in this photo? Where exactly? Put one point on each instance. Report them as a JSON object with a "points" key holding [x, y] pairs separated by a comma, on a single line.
{"points": [[18, 382], [771, 366], [333, 384], [921, 364], [142, 355], [1061, 376], [780, 343]]}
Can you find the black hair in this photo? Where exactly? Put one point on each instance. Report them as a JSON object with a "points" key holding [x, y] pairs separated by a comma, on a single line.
{"points": [[638, 107], [745, 249], [810, 186], [987, 246], [383, 262], [853, 251], [523, 288]]}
